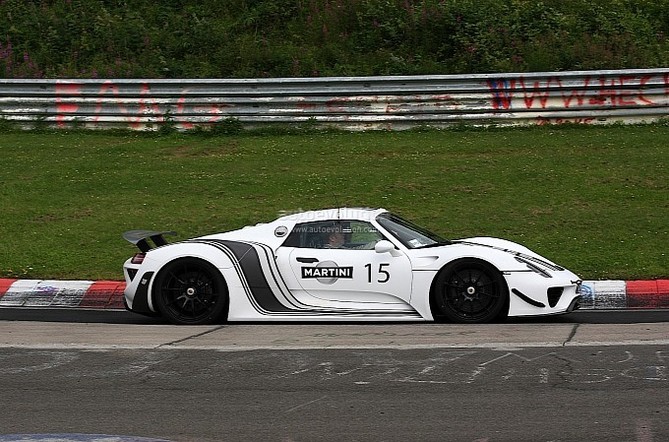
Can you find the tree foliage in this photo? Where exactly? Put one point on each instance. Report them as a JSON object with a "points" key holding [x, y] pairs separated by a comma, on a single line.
{"points": [[298, 38]]}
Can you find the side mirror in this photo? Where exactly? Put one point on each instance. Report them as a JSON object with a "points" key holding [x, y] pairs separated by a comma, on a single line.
{"points": [[385, 246]]}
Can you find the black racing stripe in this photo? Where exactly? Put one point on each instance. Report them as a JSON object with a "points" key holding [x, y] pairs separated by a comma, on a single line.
{"points": [[218, 244], [250, 263], [278, 279]]}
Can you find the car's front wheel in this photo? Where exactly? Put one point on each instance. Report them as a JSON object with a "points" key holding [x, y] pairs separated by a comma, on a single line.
{"points": [[190, 291], [469, 291]]}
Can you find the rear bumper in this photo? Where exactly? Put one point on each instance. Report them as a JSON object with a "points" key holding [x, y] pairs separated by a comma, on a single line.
{"points": [[136, 296]]}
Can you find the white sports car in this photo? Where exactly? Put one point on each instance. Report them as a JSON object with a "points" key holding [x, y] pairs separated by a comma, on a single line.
{"points": [[341, 264]]}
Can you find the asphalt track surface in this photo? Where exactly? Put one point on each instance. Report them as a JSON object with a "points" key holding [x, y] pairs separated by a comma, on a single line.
{"points": [[379, 382], [125, 317]]}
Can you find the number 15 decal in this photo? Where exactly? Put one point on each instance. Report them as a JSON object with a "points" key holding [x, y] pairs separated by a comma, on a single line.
{"points": [[384, 275]]}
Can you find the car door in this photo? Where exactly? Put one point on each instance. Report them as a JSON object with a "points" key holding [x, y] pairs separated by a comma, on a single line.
{"points": [[348, 271]]}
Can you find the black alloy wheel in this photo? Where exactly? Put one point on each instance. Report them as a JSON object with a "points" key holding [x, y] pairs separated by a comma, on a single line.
{"points": [[191, 291], [469, 291]]}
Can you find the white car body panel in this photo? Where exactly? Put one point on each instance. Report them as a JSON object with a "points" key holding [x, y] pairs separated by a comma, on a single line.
{"points": [[268, 280]]}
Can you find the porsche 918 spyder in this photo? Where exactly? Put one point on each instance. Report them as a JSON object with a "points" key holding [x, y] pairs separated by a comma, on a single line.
{"points": [[342, 264]]}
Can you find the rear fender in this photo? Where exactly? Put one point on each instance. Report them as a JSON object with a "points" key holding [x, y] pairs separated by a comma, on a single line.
{"points": [[157, 258]]}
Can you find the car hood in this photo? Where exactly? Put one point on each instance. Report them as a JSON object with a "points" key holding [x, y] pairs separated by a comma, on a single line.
{"points": [[498, 244]]}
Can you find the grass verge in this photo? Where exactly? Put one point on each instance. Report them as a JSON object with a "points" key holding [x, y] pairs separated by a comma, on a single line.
{"points": [[594, 199]]}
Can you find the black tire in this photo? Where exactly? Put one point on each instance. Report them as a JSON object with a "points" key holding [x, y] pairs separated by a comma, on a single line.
{"points": [[469, 291], [190, 291]]}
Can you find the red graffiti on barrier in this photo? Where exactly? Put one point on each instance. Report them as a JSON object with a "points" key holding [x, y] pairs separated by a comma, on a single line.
{"points": [[612, 92], [542, 121], [134, 103], [216, 112], [64, 107], [146, 104], [621, 91]]}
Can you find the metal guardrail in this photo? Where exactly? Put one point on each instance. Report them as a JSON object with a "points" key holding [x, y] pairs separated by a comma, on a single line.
{"points": [[399, 102]]}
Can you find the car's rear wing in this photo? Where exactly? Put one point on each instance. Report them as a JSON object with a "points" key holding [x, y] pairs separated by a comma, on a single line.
{"points": [[139, 238]]}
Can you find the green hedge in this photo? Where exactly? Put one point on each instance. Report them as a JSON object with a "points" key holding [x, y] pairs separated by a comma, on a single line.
{"points": [[288, 38]]}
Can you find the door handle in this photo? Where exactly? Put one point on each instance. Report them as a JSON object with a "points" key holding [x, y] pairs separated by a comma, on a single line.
{"points": [[307, 260]]}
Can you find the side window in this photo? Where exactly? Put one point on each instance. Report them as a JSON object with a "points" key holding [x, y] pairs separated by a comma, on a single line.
{"points": [[363, 236], [339, 234], [308, 235]]}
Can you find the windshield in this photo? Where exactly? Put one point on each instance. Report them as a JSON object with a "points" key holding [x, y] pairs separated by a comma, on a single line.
{"points": [[409, 234]]}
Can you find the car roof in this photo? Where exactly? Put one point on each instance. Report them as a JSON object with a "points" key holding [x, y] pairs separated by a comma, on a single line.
{"points": [[344, 213]]}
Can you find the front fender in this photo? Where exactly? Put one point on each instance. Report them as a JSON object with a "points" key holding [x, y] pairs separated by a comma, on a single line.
{"points": [[435, 258]]}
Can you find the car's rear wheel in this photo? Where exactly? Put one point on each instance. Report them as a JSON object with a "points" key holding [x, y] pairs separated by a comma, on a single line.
{"points": [[190, 291], [469, 291]]}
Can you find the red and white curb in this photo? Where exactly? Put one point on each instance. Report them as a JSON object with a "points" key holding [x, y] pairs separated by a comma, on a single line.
{"points": [[615, 294], [597, 295], [52, 293]]}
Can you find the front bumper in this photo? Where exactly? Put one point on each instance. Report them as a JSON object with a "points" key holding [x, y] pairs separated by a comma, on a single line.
{"points": [[531, 294]]}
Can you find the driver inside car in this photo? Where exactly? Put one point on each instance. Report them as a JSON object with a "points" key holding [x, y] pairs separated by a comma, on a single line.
{"points": [[340, 237]]}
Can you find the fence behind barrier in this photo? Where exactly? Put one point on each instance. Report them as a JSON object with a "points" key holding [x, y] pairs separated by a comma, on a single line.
{"points": [[399, 102]]}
